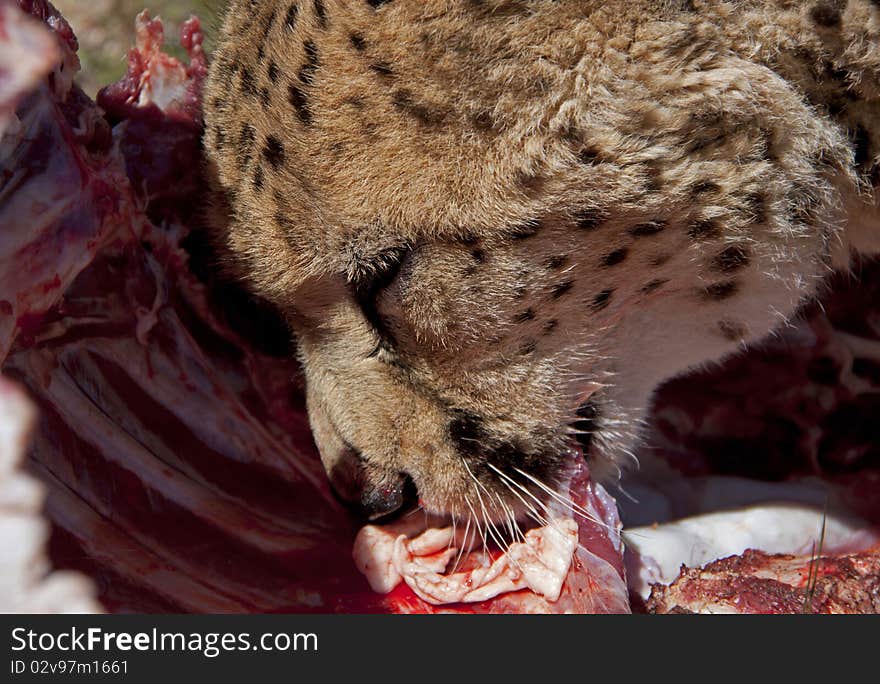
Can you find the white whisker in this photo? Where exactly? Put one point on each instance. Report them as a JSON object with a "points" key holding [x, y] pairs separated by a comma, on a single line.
{"points": [[567, 502]]}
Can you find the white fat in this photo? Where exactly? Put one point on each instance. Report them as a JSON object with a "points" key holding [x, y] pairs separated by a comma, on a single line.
{"points": [[27, 583], [539, 563], [373, 553], [163, 84], [774, 528], [545, 557]]}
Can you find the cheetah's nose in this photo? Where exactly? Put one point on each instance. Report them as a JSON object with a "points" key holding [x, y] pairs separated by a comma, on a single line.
{"points": [[388, 501], [373, 497]]}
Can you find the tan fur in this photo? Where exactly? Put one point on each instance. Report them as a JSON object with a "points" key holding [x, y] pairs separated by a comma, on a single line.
{"points": [[579, 196]]}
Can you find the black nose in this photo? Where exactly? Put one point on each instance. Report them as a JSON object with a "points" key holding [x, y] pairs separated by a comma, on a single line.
{"points": [[388, 499], [378, 496]]}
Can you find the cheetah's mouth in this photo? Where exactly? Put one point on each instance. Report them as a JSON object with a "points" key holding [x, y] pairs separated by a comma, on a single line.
{"points": [[571, 563]]}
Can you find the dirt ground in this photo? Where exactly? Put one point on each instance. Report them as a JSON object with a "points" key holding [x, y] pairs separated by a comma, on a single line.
{"points": [[105, 29]]}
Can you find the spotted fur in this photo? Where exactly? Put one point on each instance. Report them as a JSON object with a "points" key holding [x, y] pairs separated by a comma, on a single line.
{"points": [[483, 217]]}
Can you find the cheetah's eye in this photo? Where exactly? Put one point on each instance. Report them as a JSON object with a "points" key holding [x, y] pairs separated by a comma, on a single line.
{"points": [[372, 278]]}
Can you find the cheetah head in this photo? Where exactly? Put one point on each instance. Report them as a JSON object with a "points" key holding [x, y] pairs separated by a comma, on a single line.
{"points": [[461, 363], [484, 262]]}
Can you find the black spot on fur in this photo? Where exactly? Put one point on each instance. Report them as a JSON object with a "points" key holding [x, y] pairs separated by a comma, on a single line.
{"points": [[478, 255], [300, 102], [234, 67], [321, 13], [601, 300], [524, 316], [245, 146], [248, 85], [290, 17], [282, 219], [273, 152], [382, 68], [561, 289], [375, 4], [589, 155], [842, 78], [508, 456], [653, 286], [648, 228], [524, 230], [708, 139], [265, 98], [828, 12], [258, 178], [731, 259], [466, 432], [528, 348], [616, 257], [483, 121], [702, 229], [590, 219], [653, 179], [272, 72], [531, 183], [756, 206], [731, 330], [219, 137], [836, 106], [223, 65], [246, 140], [861, 141], [267, 29], [357, 42], [703, 187], [403, 100], [307, 71], [557, 262], [720, 291]]}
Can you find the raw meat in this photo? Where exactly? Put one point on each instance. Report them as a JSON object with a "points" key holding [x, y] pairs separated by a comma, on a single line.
{"points": [[760, 583], [656, 553], [572, 565]]}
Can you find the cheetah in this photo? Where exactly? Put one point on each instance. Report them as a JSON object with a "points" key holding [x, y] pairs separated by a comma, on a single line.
{"points": [[495, 226]]}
